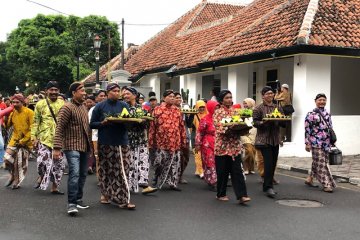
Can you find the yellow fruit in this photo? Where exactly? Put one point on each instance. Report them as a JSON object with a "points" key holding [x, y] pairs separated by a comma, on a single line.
{"points": [[124, 112]]}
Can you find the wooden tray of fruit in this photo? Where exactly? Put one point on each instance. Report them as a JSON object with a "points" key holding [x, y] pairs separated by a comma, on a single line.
{"points": [[282, 118], [149, 118], [124, 119]]}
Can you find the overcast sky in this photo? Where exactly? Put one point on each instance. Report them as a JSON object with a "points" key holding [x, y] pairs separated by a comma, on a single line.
{"points": [[149, 12]]}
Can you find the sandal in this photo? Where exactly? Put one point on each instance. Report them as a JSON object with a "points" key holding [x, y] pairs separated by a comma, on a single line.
{"points": [[311, 184], [244, 200], [224, 198], [128, 206], [104, 200], [328, 189]]}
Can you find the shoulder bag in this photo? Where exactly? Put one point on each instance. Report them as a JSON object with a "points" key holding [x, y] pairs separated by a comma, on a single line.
{"points": [[289, 109], [331, 131], [51, 111]]}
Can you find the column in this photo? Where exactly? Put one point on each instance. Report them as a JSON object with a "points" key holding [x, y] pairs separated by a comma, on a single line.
{"points": [[238, 82]]}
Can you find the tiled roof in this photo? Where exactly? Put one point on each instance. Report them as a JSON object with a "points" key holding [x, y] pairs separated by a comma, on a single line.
{"points": [[115, 64], [233, 31]]}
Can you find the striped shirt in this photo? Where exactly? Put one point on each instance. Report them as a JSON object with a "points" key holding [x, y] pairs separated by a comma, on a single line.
{"points": [[72, 129], [268, 133]]}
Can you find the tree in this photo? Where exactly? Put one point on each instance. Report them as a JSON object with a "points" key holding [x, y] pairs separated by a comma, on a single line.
{"points": [[48, 47]]}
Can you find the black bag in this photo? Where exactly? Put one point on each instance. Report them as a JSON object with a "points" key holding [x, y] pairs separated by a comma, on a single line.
{"points": [[335, 157], [288, 109], [331, 131]]}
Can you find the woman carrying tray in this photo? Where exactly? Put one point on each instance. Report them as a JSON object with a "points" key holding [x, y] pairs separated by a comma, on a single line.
{"points": [[228, 152], [166, 139], [114, 152], [139, 152], [317, 140], [205, 142]]}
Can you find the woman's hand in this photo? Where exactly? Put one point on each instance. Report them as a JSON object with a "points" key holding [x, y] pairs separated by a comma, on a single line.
{"points": [[307, 148]]}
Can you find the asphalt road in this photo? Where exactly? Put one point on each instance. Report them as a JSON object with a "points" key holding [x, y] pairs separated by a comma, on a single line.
{"points": [[193, 213]]}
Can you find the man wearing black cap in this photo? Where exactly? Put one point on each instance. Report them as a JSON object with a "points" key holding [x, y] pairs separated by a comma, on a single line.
{"points": [[73, 136], [42, 136], [267, 138], [114, 152]]}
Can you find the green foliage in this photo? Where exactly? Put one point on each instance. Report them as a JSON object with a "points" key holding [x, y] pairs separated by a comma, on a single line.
{"points": [[48, 47]]}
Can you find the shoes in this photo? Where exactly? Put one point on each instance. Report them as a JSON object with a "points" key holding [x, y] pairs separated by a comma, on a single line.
{"points": [[212, 188], [38, 183], [201, 176], [244, 200], [252, 172], [175, 189], [328, 189], [14, 187], [80, 204], [311, 184], [57, 192], [183, 181], [270, 193], [128, 206], [246, 172], [224, 198], [148, 190], [90, 171], [72, 210]]}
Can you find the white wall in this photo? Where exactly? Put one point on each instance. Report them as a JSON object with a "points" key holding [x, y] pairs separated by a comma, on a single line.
{"points": [[238, 82], [345, 85], [152, 81]]}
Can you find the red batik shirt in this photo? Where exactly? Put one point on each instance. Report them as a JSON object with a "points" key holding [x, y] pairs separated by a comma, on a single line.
{"points": [[167, 131], [226, 142]]}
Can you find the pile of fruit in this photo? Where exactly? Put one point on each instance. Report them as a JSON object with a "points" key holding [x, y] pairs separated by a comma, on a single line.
{"points": [[245, 113], [276, 114]]}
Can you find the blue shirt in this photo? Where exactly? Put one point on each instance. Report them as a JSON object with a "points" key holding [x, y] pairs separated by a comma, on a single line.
{"points": [[113, 134]]}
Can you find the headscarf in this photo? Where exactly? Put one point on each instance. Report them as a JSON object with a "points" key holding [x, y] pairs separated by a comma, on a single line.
{"points": [[52, 84], [210, 106], [19, 97], [222, 94], [250, 102], [199, 116], [237, 106]]}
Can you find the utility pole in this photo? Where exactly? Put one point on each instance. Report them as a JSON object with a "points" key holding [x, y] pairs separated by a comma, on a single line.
{"points": [[122, 44], [109, 55]]}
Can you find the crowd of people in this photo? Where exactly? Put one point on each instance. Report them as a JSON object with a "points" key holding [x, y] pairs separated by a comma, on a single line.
{"points": [[76, 133]]}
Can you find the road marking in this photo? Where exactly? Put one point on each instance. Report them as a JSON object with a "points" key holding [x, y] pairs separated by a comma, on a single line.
{"points": [[300, 178]]}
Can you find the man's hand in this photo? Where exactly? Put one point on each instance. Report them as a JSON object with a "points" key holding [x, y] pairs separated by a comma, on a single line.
{"points": [[56, 154], [35, 142], [307, 148], [105, 122]]}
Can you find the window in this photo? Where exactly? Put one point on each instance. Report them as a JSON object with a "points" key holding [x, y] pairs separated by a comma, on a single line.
{"points": [[254, 86]]}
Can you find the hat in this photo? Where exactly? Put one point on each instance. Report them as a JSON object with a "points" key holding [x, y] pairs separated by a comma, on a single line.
{"points": [[52, 84], [320, 95], [75, 86], [266, 89], [19, 97], [112, 86], [152, 98], [285, 86]]}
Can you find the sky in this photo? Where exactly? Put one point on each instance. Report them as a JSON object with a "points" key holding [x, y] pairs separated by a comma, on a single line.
{"points": [[143, 18]]}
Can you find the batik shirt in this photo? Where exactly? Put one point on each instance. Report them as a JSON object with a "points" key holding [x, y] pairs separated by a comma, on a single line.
{"points": [[44, 124], [137, 132], [22, 121], [316, 131], [167, 131], [226, 142]]}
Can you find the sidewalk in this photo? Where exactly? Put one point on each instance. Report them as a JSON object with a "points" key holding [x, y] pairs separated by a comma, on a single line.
{"points": [[349, 171]]}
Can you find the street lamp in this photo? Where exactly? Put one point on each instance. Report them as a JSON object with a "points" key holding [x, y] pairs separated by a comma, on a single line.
{"points": [[97, 44]]}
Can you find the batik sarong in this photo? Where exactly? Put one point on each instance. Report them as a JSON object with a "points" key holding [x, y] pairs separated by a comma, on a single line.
{"points": [[113, 172], [208, 162], [17, 163], [139, 167], [167, 167], [48, 169], [320, 168]]}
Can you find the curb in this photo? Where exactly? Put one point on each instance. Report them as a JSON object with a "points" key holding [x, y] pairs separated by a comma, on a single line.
{"points": [[355, 181]]}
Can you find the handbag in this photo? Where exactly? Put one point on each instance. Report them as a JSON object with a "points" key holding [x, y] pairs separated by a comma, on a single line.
{"points": [[331, 131], [335, 156], [288, 109]]}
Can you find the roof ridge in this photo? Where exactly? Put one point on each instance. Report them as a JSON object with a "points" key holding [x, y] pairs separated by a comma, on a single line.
{"points": [[187, 25], [305, 29], [256, 23]]}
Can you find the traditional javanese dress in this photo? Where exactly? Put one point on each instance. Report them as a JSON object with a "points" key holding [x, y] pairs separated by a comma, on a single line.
{"points": [[166, 138], [196, 122], [17, 162], [139, 154], [205, 138], [317, 136], [43, 130]]}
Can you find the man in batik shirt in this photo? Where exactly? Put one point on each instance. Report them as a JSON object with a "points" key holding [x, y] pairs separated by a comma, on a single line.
{"points": [[42, 135]]}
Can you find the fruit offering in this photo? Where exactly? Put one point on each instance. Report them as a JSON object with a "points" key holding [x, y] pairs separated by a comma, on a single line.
{"points": [[276, 115], [245, 112]]}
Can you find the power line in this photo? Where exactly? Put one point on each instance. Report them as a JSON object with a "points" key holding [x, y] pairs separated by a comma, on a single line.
{"points": [[48, 7]]}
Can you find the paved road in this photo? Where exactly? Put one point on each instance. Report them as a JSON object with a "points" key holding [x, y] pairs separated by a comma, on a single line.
{"points": [[191, 214]]}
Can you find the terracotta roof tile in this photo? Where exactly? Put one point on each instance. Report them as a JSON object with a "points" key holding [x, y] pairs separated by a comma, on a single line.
{"points": [[263, 25]]}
